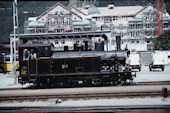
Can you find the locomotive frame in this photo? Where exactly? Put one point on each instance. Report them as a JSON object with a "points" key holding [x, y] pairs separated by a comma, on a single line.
{"points": [[76, 67]]}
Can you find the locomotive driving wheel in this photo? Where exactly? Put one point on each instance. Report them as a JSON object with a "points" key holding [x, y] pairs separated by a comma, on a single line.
{"points": [[117, 80]]}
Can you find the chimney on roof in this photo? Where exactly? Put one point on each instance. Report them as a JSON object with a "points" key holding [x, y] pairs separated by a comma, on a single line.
{"points": [[110, 6], [86, 7]]}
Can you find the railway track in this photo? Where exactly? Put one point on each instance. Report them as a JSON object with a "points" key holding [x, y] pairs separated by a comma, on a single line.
{"points": [[91, 92], [83, 93], [131, 109], [152, 83], [133, 84], [81, 96]]}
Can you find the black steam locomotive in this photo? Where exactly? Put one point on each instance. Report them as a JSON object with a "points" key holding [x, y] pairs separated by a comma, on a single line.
{"points": [[80, 66]]}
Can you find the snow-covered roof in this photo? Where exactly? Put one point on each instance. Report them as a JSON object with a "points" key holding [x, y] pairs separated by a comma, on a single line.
{"points": [[118, 10], [93, 10], [77, 11], [32, 18], [47, 11], [36, 24]]}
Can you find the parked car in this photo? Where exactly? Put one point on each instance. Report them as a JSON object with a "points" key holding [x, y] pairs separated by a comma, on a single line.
{"points": [[157, 62], [134, 61]]}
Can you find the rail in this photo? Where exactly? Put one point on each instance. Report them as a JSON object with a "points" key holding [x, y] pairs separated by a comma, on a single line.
{"points": [[90, 92], [129, 108]]}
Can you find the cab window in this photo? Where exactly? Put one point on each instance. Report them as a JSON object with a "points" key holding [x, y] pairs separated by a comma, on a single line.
{"points": [[7, 59], [1, 59]]}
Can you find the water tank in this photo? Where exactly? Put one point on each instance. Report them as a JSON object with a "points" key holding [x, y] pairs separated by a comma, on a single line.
{"points": [[99, 46]]}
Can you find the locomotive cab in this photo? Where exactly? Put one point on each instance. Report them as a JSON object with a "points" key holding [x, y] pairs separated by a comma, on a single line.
{"points": [[28, 67]]}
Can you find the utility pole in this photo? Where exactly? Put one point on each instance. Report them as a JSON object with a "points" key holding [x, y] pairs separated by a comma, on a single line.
{"points": [[15, 38]]}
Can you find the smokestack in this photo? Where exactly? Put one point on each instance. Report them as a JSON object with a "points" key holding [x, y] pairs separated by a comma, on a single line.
{"points": [[118, 42]]}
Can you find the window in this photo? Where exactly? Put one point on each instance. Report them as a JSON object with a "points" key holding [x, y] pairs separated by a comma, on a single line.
{"points": [[56, 42], [1, 59], [7, 59], [63, 42]]}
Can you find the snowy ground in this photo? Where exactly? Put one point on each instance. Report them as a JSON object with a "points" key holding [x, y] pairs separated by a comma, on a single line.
{"points": [[92, 102], [10, 81], [156, 75]]}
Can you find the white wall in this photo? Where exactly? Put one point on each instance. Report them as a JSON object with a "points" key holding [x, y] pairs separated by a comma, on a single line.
{"points": [[165, 55], [137, 47]]}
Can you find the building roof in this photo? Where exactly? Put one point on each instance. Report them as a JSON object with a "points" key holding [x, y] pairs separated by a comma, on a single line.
{"points": [[51, 9], [119, 10], [77, 10], [93, 10], [36, 23], [150, 4], [116, 11], [47, 11]]}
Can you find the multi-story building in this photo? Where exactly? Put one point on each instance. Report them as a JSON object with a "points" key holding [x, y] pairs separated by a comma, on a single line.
{"points": [[59, 19], [135, 24]]}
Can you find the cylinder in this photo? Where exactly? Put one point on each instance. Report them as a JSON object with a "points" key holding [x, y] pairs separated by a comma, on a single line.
{"points": [[99, 46]]}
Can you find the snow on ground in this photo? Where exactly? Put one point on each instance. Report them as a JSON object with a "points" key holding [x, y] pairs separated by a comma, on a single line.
{"points": [[10, 81], [152, 77], [156, 75], [93, 102], [117, 102]]}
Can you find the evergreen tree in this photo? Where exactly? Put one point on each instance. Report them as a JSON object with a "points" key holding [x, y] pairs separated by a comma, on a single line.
{"points": [[162, 42]]}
